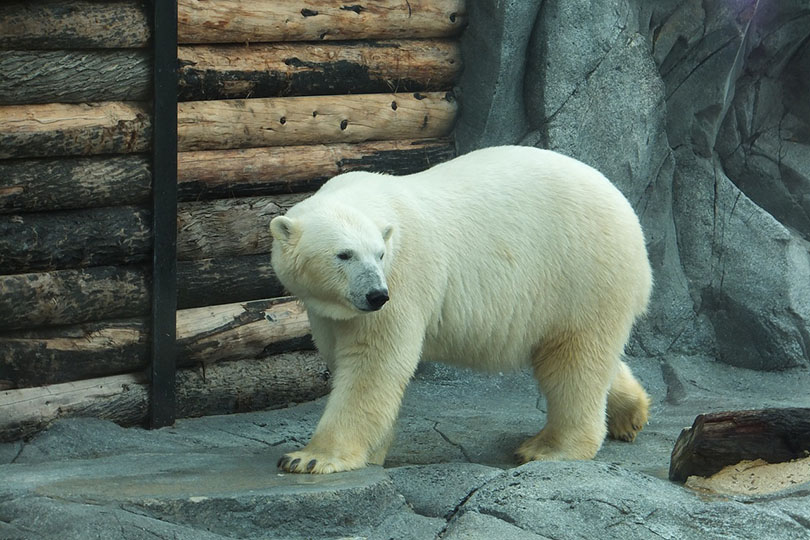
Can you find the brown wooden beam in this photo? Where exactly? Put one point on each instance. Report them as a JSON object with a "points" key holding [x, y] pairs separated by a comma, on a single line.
{"points": [[205, 335], [305, 69], [240, 21], [222, 388], [250, 123]]}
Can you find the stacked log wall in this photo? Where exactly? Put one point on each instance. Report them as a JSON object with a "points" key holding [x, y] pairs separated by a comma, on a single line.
{"points": [[275, 97]]}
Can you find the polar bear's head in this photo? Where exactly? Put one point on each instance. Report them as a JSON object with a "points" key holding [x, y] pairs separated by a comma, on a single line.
{"points": [[335, 260]]}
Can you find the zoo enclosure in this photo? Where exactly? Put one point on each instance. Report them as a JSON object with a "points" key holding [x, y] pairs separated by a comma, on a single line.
{"points": [[274, 97]]}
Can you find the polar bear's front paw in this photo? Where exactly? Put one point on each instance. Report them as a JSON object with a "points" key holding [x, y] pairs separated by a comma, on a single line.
{"points": [[306, 461]]}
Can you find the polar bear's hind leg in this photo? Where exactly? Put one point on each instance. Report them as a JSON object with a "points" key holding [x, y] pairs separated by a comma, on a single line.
{"points": [[574, 373]]}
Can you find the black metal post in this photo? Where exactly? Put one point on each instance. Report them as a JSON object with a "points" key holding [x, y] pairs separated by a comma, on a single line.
{"points": [[164, 213]]}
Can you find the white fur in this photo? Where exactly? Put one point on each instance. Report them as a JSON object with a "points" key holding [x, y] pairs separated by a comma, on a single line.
{"points": [[501, 258]]}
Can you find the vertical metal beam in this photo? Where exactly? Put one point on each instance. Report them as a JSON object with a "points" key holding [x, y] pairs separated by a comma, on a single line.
{"points": [[164, 213]]}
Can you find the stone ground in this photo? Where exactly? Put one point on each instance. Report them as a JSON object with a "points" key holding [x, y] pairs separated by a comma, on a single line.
{"points": [[450, 473]]}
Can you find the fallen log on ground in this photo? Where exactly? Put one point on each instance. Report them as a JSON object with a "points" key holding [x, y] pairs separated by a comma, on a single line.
{"points": [[123, 235], [240, 21], [250, 123], [102, 293], [305, 69], [222, 388], [206, 335], [75, 76], [65, 129], [727, 438]]}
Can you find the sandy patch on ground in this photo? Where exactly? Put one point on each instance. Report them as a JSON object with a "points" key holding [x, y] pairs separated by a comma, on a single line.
{"points": [[754, 478]]}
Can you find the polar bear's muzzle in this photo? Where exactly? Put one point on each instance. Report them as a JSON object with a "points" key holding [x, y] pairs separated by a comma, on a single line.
{"points": [[369, 291]]}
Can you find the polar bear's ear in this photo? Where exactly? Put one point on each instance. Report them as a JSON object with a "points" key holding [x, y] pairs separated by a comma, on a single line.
{"points": [[282, 229], [387, 233]]}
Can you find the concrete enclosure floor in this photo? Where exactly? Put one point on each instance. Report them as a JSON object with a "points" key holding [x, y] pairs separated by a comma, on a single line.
{"points": [[450, 473]]}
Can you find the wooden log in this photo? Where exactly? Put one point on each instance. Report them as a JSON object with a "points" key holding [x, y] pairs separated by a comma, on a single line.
{"points": [[57, 129], [73, 296], [727, 438], [205, 282], [35, 185], [61, 129], [71, 353], [83, 24], [250, 123], [242, 330], [74, 238], [228, 227], [73, 24], [74, 76], [108, 292], [291, 169], [231, 71], [240, 21], [123, 235], [204, 335], [299, 69], [226, 387]]}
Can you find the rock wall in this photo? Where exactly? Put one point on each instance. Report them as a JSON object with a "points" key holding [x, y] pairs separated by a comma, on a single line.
{"points": [[699, 110]]}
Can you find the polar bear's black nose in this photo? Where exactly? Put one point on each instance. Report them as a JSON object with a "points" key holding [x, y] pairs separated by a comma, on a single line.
{"points": [[377, 298]]}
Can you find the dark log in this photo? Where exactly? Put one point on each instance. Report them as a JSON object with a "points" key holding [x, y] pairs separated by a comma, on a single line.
{"points": [[250, 123], [31, 185], [720, 439], [305, 69], [231, 71], [73, 296], [74, 238], [123, 235], [73, 24], [107, 292], [291, 169], [229, 227], [240, 21], [204, 335], [64, 129], [74, 76], [222, 388], [206, 282], [76, 352]]}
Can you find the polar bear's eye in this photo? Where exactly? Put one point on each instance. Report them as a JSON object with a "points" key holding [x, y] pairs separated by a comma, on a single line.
{"points": [[380, 256], [344, 255]]}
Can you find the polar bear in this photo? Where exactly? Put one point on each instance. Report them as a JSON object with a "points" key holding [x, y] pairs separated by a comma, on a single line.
{"points": [[501, 258]]}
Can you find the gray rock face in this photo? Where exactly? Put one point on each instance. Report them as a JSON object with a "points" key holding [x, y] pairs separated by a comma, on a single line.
{"points": [[601, 500], [699, 113]]}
